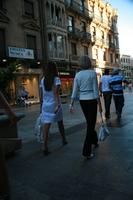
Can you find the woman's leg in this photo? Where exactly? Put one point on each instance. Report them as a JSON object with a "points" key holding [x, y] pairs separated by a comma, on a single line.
{"points": [[62, 131], [89, 108], [45, 136]]}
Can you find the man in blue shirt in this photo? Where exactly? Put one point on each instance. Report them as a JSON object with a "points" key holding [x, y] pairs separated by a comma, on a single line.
{"points": [[115, 83], [106, 91]]}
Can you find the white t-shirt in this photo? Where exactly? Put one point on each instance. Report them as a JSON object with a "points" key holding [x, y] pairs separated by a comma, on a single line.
{"points": [[85, 82]]}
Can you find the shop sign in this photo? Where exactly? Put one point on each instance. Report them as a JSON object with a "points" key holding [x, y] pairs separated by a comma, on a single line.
{"points": [[15, 52]]}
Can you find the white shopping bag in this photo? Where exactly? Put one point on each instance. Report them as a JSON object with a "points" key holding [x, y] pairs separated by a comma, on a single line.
{"points": [[38, 129], [103, 132]]}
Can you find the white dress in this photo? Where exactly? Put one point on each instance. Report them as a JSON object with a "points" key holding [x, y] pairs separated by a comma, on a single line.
{"points": [[48, 105]]}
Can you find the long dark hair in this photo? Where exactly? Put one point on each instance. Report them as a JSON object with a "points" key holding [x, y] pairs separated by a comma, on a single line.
{"points": [[50, 73]]}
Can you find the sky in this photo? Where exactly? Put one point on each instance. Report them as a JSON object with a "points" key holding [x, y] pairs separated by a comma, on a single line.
{"points": [[125, 24]]}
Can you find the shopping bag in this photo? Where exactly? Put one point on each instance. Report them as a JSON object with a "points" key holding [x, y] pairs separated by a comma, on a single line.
{"points": [[38, 129], [103, 132]]}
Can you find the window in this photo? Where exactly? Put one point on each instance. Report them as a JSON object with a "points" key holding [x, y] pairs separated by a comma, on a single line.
{"points": [[83, 26], [60, 45], [81, 5], [101, 15], [50, 42], [111, 58], [74, 48], [70, 23], [29, 8], [2, 43], [102, 34], [31, 44], [1, 4], [104, 56], [85, 50]]}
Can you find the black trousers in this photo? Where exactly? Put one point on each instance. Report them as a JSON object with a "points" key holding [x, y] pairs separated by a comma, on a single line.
{"points": [[107, 102], [119, 103], [89, 108]]}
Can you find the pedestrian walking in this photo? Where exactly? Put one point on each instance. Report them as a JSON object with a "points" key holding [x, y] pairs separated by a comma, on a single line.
{"points": [[4, 184], [85, 82], [116, 84], [51, 103], [106, 92]]}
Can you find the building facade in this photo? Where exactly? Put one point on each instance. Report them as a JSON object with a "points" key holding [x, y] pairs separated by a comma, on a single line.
{"points": [[104, 32], [127, 67], [33, 32], [20, 43]]}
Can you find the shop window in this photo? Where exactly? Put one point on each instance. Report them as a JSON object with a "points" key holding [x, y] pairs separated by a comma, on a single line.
{"points": [[29, 8], [2, 43]]}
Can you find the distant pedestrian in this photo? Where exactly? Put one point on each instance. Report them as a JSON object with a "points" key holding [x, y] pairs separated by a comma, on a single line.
{"points": [[85, 82], [51, 103], [130, 86], [116, 84], [24, 93], [106, 91]]}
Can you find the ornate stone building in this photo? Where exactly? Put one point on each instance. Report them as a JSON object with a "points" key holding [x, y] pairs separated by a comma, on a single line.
{"points": [[35, 31], [127, 67], [104, 35]]}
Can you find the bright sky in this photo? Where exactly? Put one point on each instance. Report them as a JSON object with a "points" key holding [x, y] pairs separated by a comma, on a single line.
{"points": [[125, 24]]}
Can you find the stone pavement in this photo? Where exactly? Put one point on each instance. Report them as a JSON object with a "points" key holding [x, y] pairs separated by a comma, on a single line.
{"points": [[65, 175]]}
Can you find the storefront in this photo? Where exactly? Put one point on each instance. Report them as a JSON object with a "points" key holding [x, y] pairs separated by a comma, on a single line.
{"points": [[27, 75], [66, 82], [29, 81]]}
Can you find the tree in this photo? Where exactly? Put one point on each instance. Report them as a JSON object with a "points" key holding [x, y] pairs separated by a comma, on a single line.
{"points": [[6, 76]]}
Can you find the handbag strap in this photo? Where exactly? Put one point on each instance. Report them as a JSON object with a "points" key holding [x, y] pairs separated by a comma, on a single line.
{"points": [[101, 118]]}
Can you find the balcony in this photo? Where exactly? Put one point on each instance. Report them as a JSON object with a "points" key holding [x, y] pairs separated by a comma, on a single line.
{"points": [[55, 22], [78, 9], [85, 37], [112, 45], [73, 32]]}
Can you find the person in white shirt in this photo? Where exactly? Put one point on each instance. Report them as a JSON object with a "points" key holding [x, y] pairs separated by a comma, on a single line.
{"points": [[106, 91], [85, 82]]}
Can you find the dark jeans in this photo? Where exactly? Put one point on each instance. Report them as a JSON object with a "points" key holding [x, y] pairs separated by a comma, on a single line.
{"points": [[119, 103], [107, 102], [89, 108]]}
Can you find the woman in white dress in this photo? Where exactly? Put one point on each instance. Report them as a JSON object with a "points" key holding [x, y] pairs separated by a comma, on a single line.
{"points": [[51, 103]]}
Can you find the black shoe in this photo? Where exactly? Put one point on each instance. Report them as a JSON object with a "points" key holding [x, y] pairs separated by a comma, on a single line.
{"points": [[64, 142], [96, 145], [46, 152]]}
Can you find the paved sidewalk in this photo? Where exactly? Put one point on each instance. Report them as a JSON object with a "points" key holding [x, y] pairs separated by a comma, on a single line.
{"points": [[65, 175]]}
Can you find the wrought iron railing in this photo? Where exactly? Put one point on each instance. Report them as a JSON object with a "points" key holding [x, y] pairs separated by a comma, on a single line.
{"points": [[81, 10]]}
